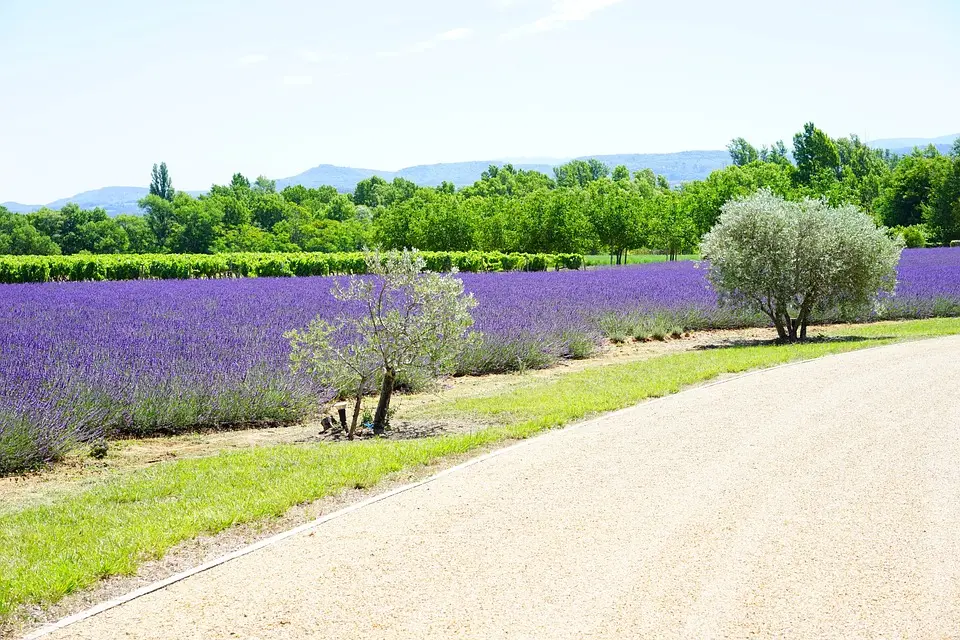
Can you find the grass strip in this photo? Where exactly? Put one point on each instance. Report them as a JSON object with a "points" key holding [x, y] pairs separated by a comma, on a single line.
{"points": [[49, 551], [528, 410]]}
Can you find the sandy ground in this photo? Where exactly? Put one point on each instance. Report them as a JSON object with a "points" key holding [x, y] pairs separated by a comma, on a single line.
{"points": [[815, 500]]}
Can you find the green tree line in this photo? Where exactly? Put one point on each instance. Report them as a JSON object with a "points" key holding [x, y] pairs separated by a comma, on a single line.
{"points": [[584, 207]]}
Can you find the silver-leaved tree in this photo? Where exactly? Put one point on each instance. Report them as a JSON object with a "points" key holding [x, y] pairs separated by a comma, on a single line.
{"points": [[793, 259], [411, 325]]}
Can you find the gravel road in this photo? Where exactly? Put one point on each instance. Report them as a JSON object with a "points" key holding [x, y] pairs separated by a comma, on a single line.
{"points": [[820, 500]]}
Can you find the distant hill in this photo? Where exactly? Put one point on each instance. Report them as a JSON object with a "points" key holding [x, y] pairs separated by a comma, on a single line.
{"points": [[113, 200], [461, 174], [677, 167], [343, 178], [16, 207], [910, 143], [904, 146], [903, 151]]}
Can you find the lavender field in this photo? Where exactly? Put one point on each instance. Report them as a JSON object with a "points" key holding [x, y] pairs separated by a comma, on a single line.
{"points": [[82, 360]]}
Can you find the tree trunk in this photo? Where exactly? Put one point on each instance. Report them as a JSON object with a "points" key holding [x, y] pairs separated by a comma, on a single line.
{"points": [[356, 416], [383, 405], [781, 320], [794, 325], [781, 330], [804, 319]]}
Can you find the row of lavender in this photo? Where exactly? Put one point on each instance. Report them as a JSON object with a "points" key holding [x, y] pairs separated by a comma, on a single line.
{"points": [[143, 357]]}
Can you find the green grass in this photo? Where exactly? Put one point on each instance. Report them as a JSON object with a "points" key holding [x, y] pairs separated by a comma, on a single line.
{"points": [[640, 258], [51, 550], [534, 408]]}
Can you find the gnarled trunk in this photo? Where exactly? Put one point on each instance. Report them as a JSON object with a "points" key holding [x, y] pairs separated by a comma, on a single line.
{"points": [[781, 329], [383, 405], [782, 321]]}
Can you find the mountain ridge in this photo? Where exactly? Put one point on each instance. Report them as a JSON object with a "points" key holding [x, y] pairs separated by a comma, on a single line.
{"points": [[910, 143], [678, 167]]}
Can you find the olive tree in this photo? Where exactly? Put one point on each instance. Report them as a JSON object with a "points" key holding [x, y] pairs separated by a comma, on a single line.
{"points": [[792, 259], [405, 323], [349, 369]]}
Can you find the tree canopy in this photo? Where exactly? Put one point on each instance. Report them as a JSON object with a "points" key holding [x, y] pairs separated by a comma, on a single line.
{"points": [[413, 328], [160, 183], [789, 259], [584, 207]]}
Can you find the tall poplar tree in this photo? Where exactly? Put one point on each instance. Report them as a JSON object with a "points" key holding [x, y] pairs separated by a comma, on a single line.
{"points": [[160, 183]]}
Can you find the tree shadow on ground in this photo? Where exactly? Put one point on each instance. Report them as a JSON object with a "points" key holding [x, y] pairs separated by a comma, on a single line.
{"points": [[410, 429], [743, 342]]}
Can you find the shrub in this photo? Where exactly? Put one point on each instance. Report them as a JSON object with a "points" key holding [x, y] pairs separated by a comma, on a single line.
{"points": [[914, 237], [569, 261], [791, 259], [16, 269], [536, 262]]}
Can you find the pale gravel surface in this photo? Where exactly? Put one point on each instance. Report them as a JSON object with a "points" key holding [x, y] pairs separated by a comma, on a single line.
{"points": [[820, 500]]}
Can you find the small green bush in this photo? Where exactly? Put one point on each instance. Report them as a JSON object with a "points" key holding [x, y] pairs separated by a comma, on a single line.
{"points": [[914, 237]]}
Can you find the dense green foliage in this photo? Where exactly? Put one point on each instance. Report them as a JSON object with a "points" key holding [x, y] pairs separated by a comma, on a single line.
{"points": [[15, 269], [584, 207]]}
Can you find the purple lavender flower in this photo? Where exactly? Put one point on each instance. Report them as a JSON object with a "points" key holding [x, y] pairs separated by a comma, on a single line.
{"points": [[143, 356]]}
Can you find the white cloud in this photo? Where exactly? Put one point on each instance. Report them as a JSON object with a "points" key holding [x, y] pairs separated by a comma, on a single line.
{"points": [[455, 34], [316, 56], [297, 80], [253, 58], [562, 12], [425, 45]]}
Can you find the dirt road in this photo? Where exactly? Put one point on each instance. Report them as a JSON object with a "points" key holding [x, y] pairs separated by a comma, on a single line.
{"points": [[820, 500]]}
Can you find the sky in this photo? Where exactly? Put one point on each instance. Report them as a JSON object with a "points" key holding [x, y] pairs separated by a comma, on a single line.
{"points": [[95, 92]]}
